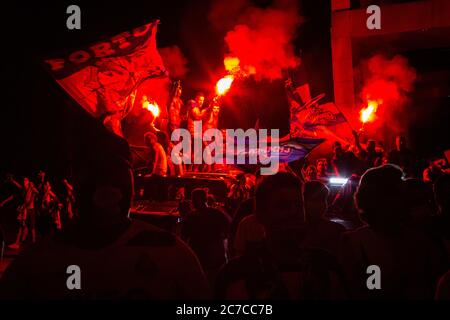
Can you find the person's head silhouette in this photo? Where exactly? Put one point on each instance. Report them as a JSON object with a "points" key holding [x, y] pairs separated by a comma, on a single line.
{"points": [[400, 143], [419, 201], [380, 197], [279, 202], [441, 190], [104, 183], [199, 198], [315, 194]]}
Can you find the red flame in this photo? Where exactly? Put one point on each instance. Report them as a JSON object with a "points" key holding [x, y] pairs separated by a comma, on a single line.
{"points": [[152, 107], [224, 84], [368, 114]]}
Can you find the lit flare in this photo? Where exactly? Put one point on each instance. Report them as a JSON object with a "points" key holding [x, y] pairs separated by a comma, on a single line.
{"points": [[152, 107], [224, 84], [368, 114]]}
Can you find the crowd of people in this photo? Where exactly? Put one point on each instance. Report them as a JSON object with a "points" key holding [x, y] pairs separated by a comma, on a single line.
{"points": [[357, 158], [345, 160], [39, 210], [182, 116], [282, 236], [288, 236]]}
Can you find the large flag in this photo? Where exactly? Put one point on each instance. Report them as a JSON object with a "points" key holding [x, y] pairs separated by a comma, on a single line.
{"points": [[297, 148], [287, 151], [307, 116], [108, 78]]}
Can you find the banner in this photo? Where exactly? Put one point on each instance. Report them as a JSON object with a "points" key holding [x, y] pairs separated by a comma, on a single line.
{"points": [[307, 117], [108, 78], [287, 151]]}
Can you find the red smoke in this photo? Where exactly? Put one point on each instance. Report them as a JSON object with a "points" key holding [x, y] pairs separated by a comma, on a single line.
{"points": [[389, 81], [224, 14], [262, 39], [174, 61]]}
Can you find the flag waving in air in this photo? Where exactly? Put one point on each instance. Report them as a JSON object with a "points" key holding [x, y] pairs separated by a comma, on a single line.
{"points": [[108, 78], [307, 116]]}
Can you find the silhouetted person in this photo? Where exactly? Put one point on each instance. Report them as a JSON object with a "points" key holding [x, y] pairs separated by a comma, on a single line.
{"points": [[68, 202], [443, 287], [441, 222], [441, 190], [159, 163], [205, 230], [49, 208], [280, 268], [119, 258], [196, 111], [419, 204], [250, 233], [164, 141], [320, 232], [369, 155], [323, 174], [245, 209], [421, 214], [310, 173], [343, 205], [43, 220], [175, 109], [184, 208], [158, 167], [26, 212], [409, 261], [402, 156], [41, 180], [344, 162], [239, 191], [436, 168]]}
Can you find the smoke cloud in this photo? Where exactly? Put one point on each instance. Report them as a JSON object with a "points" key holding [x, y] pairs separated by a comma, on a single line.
{"points": [[224, 15], [262, 39], [174, 61], [389, 81]]}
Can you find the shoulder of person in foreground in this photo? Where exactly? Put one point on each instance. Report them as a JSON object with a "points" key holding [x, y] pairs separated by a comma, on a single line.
{"points": [[224, 214], [230, 281], [173, 257], [350, 245], [249, 229], [14, 282], [443, 287], [192, 281]]}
